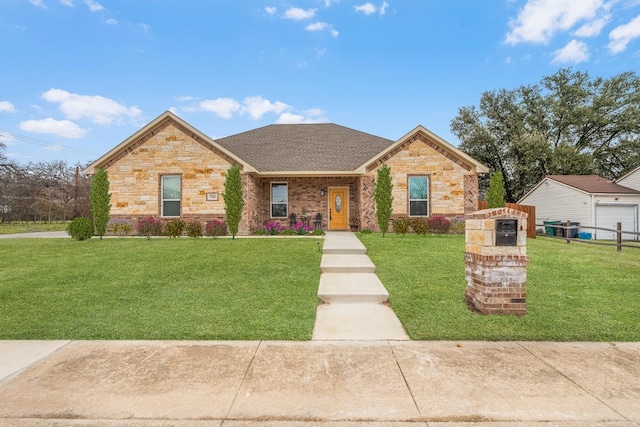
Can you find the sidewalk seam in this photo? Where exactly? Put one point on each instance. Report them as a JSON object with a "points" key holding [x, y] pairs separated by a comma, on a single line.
{"points": [[541, 359], [244, 377], [415, 403]]}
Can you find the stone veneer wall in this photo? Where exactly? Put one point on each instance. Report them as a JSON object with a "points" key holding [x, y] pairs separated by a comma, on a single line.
{"points": [[453, 186], [167, 150], [496, 275]]}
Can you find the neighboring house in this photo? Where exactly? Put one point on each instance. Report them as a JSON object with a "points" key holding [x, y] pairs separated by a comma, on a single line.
{"points": [[631, 180], [169, 169], [591, 200]]}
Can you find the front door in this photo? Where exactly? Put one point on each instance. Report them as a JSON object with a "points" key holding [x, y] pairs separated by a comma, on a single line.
{"points": [[338, 203]]}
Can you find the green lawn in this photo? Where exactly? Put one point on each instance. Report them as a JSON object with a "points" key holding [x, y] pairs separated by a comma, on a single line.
{"points": [[31, 226], [575, 292], [192, 289]]}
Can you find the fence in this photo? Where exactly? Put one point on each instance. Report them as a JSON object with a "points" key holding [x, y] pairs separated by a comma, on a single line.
{"points": [[530, 210], [567, 233]]}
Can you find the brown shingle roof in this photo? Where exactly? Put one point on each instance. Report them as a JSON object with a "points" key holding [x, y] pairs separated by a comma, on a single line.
{"points": [[305, 147], [593, 184]]}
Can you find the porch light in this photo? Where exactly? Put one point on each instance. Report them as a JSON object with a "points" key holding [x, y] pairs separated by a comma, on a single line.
{"points": [[322, 192]]}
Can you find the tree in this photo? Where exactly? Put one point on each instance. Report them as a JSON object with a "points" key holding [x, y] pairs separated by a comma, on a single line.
{"points": [[383, 198], [568, 123], [100, 201], [496, 193], [233, 198]]}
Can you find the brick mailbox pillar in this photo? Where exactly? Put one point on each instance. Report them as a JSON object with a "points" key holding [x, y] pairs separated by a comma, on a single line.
{"points": [[496, 261]]}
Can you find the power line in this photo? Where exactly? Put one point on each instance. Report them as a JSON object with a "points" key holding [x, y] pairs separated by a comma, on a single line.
{"points": [[43, 143]]}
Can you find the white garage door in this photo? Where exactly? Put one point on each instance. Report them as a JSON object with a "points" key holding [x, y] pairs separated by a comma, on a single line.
{"points": [[608, 215]]}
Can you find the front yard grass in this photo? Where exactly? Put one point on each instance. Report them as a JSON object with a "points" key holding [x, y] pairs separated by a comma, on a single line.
{"points": [[183, 289], [32, 226], [575, 292]]}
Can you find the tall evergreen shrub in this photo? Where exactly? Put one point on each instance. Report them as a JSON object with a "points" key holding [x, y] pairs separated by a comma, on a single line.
{"points": [[383, 198], [233, 199], [496, 192], [100, 201]]}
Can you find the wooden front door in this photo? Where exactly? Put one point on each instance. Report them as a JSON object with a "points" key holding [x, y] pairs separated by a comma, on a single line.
{"points": [[338, 207]]}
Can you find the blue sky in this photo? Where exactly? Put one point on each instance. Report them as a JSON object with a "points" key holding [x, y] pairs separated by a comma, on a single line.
{"points": [[80, 76]]}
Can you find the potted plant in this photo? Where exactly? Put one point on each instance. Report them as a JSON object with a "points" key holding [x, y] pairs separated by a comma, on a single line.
{"points": [[354, 223]]}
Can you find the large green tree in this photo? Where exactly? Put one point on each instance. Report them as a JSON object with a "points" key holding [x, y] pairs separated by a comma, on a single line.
{"points": [[100, 201], [382, 194], [568, 123], [233, 199]]}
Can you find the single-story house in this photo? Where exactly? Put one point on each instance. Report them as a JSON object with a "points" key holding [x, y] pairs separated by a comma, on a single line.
{"points": [[591, 200], [169, 169]]}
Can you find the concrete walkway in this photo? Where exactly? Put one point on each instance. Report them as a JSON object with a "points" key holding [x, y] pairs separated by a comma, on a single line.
{"points": [[318, 383], [354, 298]]}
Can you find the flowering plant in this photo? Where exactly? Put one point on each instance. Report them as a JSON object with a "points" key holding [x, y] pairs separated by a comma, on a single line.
{"points": [[216, 228], [301, 228], [274, 228]]}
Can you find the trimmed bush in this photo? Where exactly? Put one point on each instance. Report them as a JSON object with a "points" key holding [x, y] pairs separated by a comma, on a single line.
{"points": [[194, 229], [401, 225], [174, 227], [119, 227], [317, 232], [420, 226], [216, 228], [80, 228], [458, 224], [439, 224], [149, 227]]}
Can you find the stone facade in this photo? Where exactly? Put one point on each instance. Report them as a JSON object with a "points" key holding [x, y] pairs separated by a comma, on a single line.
{"points": [[496, 275]]}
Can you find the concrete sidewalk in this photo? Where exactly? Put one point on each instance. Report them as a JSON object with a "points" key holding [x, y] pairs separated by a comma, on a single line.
{"points": [[268, 383]]}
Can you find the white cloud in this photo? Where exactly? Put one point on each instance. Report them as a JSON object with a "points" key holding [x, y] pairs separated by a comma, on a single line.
{"points": [[7, 107], [62, 128], [539, 20], [593, 28], [38, 3], [185, 98], [367, 8], [257, 106], [54, 147], [110, 21], [621, 36], [143, 27], [574, 52], [68, 3], [271, 10], [93, 5], [322, 26], [223, 107], [309, 116], [298, 14], [98, 109], [328, 3]]}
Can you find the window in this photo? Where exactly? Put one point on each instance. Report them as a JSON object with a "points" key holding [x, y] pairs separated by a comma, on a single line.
{"points": [[279, 200], [171, 195], [418, 196]]}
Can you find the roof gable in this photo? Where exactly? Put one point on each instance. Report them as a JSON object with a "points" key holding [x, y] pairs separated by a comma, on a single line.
{"points": [[139, 138], [305, 148], [593, 184], [434, 141]]}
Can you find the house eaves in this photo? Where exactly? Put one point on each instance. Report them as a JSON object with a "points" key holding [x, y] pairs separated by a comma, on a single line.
{"points": [[436, 142], [147, 131]]}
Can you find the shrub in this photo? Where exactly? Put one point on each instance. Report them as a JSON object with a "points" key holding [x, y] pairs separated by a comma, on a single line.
{"points": [[100, 201], [301, 228], [233, 199], [317, 232], [174, 227], [289, 232], [439, 224], [119, 227], [401, 225], [382, 194], [259, 232], [458, 224], [366, 231], [194, 229], [274, 228], [149, 227], [216, 228], [80, 228], [420, 226]]}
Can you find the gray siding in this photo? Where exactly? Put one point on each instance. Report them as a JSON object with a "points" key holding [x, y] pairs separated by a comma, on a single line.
{"points": [[555, 201], [632, 180]]}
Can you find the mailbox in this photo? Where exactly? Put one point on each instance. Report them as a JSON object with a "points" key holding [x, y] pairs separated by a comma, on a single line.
{"points": [[506, 232]]}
